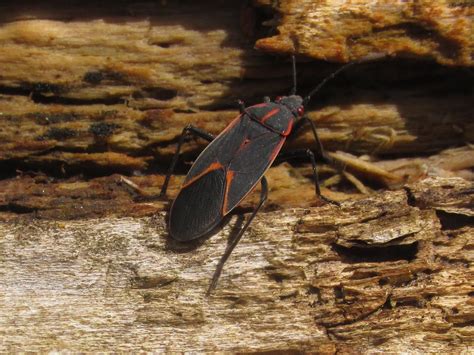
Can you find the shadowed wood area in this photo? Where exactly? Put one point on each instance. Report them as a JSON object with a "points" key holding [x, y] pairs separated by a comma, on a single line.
{"points": [[93, 98]]}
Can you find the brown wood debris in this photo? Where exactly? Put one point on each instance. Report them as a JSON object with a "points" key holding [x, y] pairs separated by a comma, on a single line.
{"points": [[41, 196], [127, 84], [349, 30]]}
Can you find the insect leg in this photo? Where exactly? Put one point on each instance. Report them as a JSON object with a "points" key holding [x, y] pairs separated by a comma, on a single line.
{"points": [[319, 146], [308, 153], [193, 130], [235, 241]]}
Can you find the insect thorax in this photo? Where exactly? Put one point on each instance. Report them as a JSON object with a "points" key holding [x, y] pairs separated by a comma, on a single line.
{"points": [[273, 115]]}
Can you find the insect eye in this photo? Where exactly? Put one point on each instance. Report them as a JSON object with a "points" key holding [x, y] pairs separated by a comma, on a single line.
{"points": [[300, 111], [278, 98]]}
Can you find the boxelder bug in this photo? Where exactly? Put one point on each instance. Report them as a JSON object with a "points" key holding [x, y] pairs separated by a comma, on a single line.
{"points": [[234, 162]]}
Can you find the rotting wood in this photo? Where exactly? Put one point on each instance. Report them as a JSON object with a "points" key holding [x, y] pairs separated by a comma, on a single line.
{"points": [[46, 197], [37, 134], [349, 30], [91, 90], [378, 273], [128, 82]]}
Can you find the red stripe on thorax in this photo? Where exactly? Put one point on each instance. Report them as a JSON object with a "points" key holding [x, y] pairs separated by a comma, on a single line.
{"points": [[269, 114]]}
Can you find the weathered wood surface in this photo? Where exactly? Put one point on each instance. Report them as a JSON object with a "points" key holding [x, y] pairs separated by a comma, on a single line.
{"points": [[348, 30], [377, 274], [87, 86], [92, 90]]}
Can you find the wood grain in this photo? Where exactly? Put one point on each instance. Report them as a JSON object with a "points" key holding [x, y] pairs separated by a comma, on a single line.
{"points": [[94, 88], [321, 279], [95, 94], [348, 30]]}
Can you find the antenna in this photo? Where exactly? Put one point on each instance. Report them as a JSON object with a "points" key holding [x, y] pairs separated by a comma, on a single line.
{"points": [[293, 90], [365, 59], [325, 80]]}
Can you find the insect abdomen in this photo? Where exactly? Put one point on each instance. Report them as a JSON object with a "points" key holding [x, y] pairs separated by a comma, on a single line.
{"points": [[198, 207]]}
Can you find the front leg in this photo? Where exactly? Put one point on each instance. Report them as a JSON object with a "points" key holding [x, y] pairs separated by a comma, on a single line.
{"points": [[308, 154], [321, 152]]}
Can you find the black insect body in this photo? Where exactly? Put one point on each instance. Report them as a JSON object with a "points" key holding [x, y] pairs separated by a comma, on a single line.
{"points": [[234, 162], [229, 168]]}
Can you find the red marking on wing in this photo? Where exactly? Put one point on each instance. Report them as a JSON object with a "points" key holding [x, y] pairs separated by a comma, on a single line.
{"points": [[288, 129], [228, 180], [276, 150], [272, 157], [244, 143], [269, 114], [214, 166]]}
